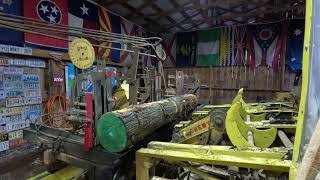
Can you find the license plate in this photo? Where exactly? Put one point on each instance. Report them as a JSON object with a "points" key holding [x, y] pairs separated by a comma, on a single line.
{"points": [[15, 134], [31, 70], [37, 63], [12, 77], [32, 100], [15, 118], [15, 126], [3, 128], [31, 77], [3, 61], [16, 142], [4, 146], [33, 107], [14, 93], [12, 70], [11, 111], [13, 102], [33, 115], [32, 93], [31, 85], [12, 85], [18, 62], [4, 137]]}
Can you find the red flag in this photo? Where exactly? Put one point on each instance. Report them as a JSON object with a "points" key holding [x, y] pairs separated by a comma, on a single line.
{"points": [[51, 11]]}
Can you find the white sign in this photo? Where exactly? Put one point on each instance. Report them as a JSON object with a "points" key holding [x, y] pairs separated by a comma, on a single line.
{"points": [[32, 100], [12, 102], [11, 111], [15, 126], [15, 50]]}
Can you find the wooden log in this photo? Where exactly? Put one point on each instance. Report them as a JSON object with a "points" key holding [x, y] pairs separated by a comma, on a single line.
{"points": [[120, 129]]}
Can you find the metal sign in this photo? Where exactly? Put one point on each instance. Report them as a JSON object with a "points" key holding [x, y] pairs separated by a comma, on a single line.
{"points": [[15, 134], [3, 61], [32, 107], [2, 94], [15, 126], [4, 146], [14, 118], [12, 102], [4, 137], [32, 93], [31, 77], [12, 85], [32, 100], [15, 50], [12, 70], [31, 85], [12, 77], [81, 53], [14, 93], [12, 111], [29, 70], [33, 115]]}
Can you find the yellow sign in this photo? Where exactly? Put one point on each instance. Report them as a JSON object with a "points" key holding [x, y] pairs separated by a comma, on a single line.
{"points": [[81, 53]]}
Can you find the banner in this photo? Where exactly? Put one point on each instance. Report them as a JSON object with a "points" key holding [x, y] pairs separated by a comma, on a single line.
{"points": [[11, 37], [186, 49], [51, 11], [110, 23], [169, 45], [226, 52], [295, 45], [208, 44]]}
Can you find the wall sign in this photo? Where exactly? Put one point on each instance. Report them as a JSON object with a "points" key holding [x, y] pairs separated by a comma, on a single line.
{"points": [[15, 50]]}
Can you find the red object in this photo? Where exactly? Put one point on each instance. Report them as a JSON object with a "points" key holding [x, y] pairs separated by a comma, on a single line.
{"points": [[16, 142], [51, 11], [239, 36], [88, 138], [167, 47], [134, 30]]}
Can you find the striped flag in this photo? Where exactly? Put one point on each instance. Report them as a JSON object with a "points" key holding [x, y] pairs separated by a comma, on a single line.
{"points": [[208, 47], [110, 23], [226, 46], [169, 45], [240, 36]]}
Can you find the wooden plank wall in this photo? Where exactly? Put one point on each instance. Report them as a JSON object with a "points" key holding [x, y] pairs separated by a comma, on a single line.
{"points": [[220, 84]]}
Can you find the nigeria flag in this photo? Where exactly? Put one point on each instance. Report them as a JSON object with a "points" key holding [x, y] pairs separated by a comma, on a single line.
{"points": [[208, 48]]}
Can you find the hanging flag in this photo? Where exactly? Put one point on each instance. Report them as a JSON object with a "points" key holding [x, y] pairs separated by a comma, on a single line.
{"points": [[208, 47], [169, 45], [51, 11], [11, 37], [295, 45], [82, 14], [110, 23], [226, 46], [240, 32], [265, 44], [186, 49], [128, 28]]}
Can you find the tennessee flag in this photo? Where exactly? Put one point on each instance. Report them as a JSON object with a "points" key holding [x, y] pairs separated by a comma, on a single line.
{"points": [[110, 23], [51, 11]]}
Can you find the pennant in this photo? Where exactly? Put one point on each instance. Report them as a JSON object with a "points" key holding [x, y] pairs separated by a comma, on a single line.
{"points": [[110, 23], [208, 47], [295, 45], [265, 44], [11, 37], [82, 14], [51, 11], [186, 49], [128, 28], [169, 45]]}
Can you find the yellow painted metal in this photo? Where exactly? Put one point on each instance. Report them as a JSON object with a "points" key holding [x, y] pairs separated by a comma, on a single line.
{"points": [[202, 174], [305, 81], [67, 173], [197, 128], [237, 130], [198, 114], [81, 53]]}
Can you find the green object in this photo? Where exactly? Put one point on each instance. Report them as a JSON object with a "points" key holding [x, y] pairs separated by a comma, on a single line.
{"points": [[208, 48], [112, 133]]}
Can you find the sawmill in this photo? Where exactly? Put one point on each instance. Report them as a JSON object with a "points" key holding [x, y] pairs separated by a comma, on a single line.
{"points": [[159, 89]]}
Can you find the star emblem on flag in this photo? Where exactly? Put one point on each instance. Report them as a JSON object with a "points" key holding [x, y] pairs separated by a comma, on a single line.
{"points": [[297, 32], [48, 11]]}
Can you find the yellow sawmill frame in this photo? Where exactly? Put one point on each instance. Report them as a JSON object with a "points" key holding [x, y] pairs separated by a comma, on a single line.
{"points": [[268, 158]]}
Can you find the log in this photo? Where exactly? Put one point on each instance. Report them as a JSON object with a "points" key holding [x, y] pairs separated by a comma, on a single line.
{"points": [[120, 129]]}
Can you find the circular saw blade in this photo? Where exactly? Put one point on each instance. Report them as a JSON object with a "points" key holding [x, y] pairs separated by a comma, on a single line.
{"points": [[81, 53]]}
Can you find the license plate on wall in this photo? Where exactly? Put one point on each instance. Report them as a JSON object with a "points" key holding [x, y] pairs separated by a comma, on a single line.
{"points": [[13, 102], [15, 134], [12, 85], [32, 93], [33, 100], [31, 85], [12, 70], [31, 70], [4, 146], [31, 77], [4, 137], [12, 77], [15, 126], [11, 111], [14, 93]]}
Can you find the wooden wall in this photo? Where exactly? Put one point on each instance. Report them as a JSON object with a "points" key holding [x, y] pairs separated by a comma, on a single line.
{"points": [[220, 84]]}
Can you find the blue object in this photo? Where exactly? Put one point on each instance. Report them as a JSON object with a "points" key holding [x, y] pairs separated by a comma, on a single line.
{"points": [[295, 45], [186, 49], [11, 37]]}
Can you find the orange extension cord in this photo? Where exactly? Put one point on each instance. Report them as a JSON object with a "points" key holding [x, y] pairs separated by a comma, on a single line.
{"points": [[56, 103]]}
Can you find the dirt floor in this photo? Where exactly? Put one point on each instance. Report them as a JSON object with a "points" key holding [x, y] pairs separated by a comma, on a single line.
{"points": [[21, 163]]}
